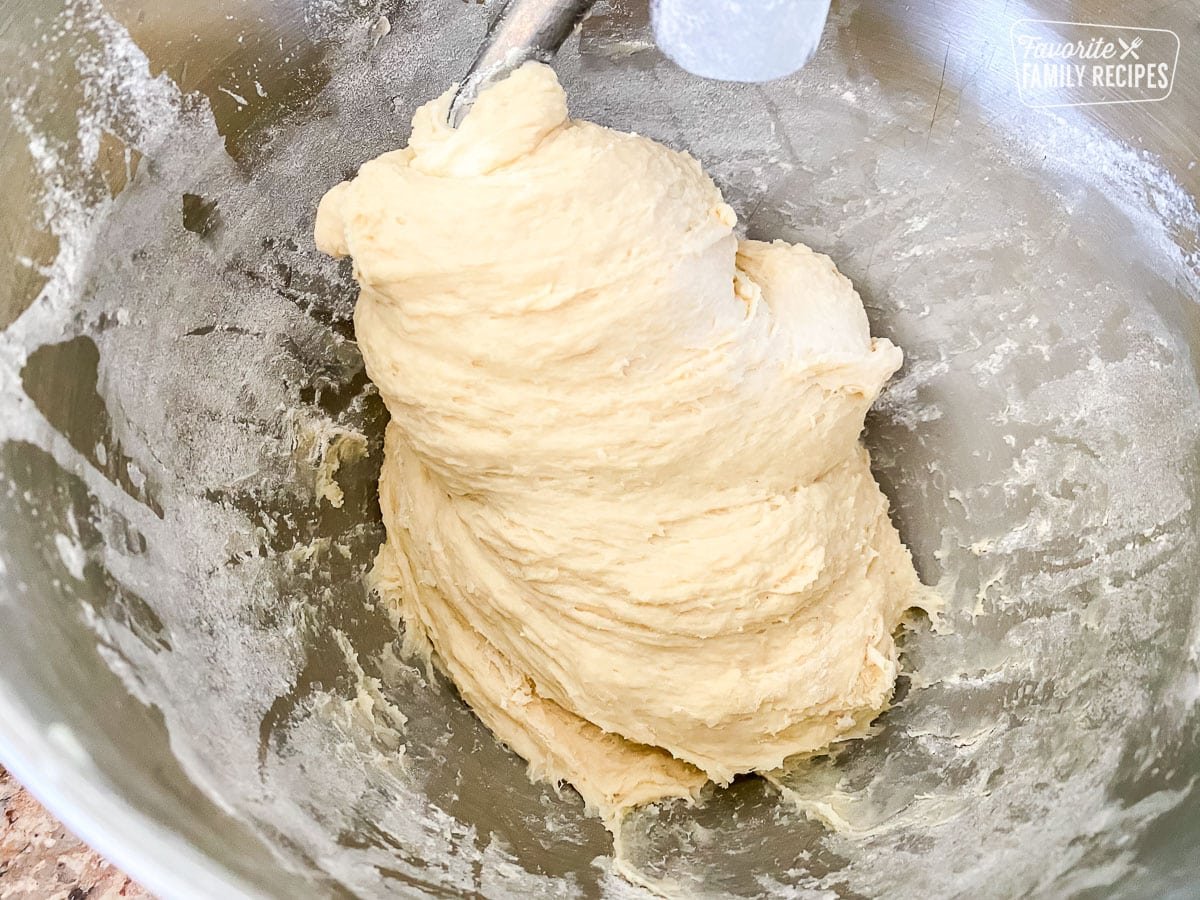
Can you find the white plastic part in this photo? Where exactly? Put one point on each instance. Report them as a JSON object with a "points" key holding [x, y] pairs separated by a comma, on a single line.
{"points": [[739, 40]]}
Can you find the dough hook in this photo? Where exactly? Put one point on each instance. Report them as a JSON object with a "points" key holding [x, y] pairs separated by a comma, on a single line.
{"points": [[523, 30], [719, 39]]}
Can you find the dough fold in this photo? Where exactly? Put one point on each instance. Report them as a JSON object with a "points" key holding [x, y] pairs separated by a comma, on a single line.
{"points": [[626, 504]]}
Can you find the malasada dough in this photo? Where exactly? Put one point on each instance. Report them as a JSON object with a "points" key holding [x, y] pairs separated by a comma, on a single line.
{"points": [[626, 504]]}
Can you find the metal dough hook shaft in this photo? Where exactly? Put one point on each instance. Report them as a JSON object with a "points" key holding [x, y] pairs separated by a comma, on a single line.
{"points": [[523, 30]]}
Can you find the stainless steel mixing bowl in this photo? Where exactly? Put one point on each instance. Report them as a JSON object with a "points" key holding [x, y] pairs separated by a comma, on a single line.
{"points": [[192, 672]]}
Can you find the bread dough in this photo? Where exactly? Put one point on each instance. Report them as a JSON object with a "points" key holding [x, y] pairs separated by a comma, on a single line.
{"points": [[626, 504]]}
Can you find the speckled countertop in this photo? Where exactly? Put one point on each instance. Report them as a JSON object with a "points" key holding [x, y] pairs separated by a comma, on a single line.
{"points": [[41, 859]]}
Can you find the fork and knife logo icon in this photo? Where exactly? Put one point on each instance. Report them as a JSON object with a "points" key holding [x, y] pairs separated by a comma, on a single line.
{"points": [[1129, 48]]}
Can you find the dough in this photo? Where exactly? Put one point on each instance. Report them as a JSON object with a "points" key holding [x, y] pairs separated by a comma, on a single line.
{"points": [[627, 509]]}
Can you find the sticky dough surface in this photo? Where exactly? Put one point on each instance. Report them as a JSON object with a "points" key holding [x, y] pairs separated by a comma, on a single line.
{"points": [[626, 503]]}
